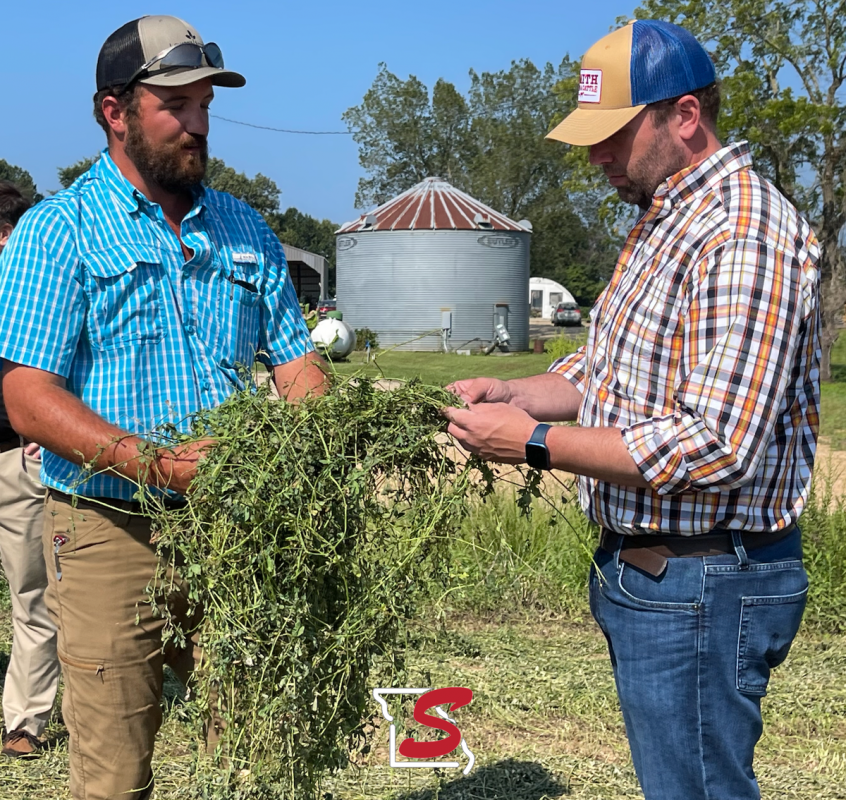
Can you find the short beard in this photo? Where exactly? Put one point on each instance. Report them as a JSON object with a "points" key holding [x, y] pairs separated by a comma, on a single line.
{"points": [[169, 166], [646, 175]]}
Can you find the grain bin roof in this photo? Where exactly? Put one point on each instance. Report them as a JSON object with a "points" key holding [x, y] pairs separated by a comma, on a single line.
{"points": [[433, 204]]}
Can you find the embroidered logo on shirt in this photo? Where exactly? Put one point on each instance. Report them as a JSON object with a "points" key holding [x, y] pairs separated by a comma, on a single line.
{"points": [[244, 258], [590, 86]]}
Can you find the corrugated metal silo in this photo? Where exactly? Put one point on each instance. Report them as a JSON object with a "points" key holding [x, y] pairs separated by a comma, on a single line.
{"points": [[431, 258]]}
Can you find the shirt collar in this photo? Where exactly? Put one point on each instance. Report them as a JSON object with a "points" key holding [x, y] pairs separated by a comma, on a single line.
{"points": [[707, 174], [127, 196]]}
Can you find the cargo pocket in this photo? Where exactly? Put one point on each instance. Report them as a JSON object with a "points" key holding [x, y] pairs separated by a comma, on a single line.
{"points": [[768, 626]]}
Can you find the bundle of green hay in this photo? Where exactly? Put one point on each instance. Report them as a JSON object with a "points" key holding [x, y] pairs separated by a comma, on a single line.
{"points": [[310, 533]]}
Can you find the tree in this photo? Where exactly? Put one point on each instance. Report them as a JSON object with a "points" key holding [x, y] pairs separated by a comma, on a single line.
{"points": [[22, 179], [260, 192], [490, 144], [783, 66], [404, 137], [67, 175]]}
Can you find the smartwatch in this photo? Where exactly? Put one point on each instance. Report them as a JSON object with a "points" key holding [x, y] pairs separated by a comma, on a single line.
{"points": [[537, 454]]}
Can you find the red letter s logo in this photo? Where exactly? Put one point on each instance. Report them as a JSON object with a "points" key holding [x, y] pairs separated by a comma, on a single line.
{"points": [[453, 697]]}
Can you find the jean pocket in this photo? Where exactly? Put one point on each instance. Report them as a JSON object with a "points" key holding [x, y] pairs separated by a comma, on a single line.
{"points": [[678, 588], [768, 625]]}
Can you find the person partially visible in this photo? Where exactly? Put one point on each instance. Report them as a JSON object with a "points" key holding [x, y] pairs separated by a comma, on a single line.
{"points": [[697, 398], [32, 677]]}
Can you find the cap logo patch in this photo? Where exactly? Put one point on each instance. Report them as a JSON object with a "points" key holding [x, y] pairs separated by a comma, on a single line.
{"points": [[590, 86], [190, 36]]}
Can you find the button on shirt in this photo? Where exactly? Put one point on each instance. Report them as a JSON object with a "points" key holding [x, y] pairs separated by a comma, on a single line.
{"points": [[704, 349], [95, 288]]}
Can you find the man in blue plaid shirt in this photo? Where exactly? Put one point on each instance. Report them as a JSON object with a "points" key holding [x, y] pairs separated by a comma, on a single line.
{"points": [[134, 298]]}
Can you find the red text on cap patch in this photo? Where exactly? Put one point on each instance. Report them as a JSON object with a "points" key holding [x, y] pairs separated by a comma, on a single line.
{"points": [[590, 86]]}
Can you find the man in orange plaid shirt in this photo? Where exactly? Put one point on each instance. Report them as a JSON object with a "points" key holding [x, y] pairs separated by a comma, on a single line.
{"points": [[697, 400]]}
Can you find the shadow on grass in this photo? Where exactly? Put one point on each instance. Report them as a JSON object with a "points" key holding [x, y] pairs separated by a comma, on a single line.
{"points": [[504, 780]]}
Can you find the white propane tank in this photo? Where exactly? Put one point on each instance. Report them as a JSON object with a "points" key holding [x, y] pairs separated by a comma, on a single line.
{"points": [[334, 338]]}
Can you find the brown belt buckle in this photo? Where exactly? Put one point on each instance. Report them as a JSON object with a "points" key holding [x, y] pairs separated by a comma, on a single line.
{"points": [[643, 558]]}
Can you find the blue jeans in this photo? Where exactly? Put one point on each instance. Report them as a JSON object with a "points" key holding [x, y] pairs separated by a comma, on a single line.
{"points": [[692, 652]]}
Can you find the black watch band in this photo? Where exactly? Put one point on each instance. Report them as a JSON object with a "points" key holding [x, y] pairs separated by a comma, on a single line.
{"points": [[537, 454]]}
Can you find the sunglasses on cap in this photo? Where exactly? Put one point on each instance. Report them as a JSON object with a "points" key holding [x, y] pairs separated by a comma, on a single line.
{"points": [[186, 55]]}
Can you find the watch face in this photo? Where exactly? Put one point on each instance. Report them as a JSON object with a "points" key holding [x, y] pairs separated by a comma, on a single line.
{"points": [[537, 456]]}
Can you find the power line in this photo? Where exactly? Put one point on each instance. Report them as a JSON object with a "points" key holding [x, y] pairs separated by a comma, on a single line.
{"points": [[282, 130]]}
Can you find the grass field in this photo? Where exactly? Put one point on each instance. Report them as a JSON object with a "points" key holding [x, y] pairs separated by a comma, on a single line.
{"points": [[439, 369], [544, 722]]}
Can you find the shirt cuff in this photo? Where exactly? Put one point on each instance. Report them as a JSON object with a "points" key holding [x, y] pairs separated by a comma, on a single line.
{"points": [[656, 451], [572, 367], [292, 353]]}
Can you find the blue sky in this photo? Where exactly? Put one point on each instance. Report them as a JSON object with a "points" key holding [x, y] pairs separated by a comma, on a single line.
{"points": [[305, 64]]}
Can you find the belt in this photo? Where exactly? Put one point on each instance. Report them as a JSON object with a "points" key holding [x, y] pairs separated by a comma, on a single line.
{"points": [[130, 506], [650, 552]]}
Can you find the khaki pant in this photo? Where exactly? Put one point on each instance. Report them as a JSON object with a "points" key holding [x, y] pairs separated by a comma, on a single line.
{"points": [[109, 644], [33, 674]]}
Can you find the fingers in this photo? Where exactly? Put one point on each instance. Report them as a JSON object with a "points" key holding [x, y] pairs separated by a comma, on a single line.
{"points": [[472, 390], [456, 415]]}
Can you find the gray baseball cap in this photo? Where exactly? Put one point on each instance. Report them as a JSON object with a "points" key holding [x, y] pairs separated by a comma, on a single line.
{"points": [[161, 51]]}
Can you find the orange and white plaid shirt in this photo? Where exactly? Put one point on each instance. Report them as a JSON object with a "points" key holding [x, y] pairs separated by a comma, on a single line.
{"points": [[704, 349]]}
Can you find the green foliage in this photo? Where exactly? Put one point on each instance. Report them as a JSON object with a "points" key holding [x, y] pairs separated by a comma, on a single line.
{"points": [[783, 67], [490, 144], [404, 137], [260, 192], [364, 335], [824, 538], [507, 561], [563, 345], [309, 536], [67, 175], [21, 178]]}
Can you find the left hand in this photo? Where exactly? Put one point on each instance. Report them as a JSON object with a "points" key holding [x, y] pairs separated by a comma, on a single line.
{"points": [[492, 431]]}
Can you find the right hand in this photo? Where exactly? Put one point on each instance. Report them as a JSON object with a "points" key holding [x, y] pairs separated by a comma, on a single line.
{"points": [[176, 467], [482, 390]]}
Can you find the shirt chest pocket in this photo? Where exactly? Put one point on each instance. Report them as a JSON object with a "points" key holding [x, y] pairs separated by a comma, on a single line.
{"points": [[124, 296], [240, 310]]}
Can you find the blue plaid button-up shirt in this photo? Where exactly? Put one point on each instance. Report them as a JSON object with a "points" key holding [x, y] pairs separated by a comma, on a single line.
{"points": [[94, 287]]}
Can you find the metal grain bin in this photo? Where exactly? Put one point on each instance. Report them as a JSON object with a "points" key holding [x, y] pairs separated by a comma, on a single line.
{"points": [[434, 260]]}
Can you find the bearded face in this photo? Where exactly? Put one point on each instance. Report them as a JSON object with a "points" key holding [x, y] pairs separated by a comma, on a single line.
{"points": [[176, 166]]}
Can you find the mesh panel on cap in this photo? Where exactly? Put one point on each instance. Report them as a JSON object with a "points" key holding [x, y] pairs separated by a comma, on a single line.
{"points": [[667, 61], [120, 55]]}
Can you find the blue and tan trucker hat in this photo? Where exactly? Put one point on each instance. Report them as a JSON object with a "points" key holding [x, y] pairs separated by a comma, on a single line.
{"points": [[641, 63]]}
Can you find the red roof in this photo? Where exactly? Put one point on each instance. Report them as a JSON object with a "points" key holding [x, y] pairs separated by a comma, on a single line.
{"points": [[432, 205]]}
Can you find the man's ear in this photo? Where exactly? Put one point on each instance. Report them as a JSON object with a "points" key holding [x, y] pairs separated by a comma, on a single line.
{"points": [[5, 232], [689, 116], [115, 114]]}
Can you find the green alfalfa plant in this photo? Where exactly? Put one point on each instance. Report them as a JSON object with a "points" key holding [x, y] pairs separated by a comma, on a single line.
{"points": [[311, 534]]}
